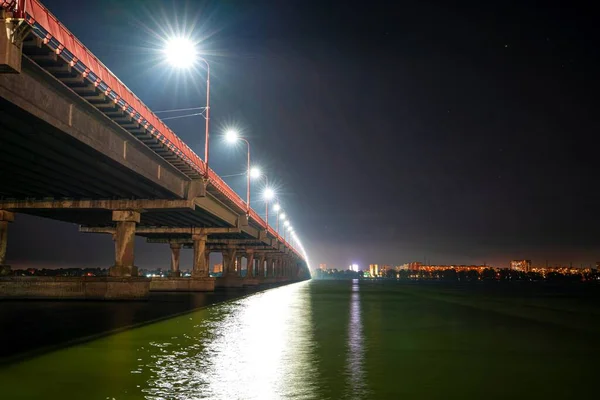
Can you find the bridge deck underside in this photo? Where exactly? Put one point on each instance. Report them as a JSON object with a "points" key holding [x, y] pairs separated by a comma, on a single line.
{"points": [[38, 161]]}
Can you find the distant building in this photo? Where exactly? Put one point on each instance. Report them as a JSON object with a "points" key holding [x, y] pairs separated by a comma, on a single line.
{"points": [[415, 266], [374, 269], [383, 271], [521, 265], [323, 267]]}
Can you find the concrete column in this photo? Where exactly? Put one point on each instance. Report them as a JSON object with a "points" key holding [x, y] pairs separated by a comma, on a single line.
{"points": [[207, 253], [261, 265], [5, 218], [228, 262], [200, 267], [238, 266], [250, 264], [124, 243], [270, 267], [175, 253], [277, 267]]}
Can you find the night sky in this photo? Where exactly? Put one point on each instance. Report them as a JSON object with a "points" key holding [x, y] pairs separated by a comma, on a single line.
{"points": [[396, 131]]}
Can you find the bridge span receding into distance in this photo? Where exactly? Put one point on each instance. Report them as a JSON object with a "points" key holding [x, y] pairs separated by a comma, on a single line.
{"points": [[77, 145]]}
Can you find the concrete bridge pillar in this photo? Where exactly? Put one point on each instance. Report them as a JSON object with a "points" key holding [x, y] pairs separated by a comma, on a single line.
{"points": [[5, 218], [250, 264], [124, 243], [228, 262], [238, 265], [200, 266], [175, 253], [261, 265], [207, 253]]}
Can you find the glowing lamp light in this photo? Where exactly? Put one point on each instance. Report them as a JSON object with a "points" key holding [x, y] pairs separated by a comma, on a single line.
{"points": [[277, 207], [287, 224], [268, 194], [180, 52], [255, 172], [282, 216], [232, 136]]}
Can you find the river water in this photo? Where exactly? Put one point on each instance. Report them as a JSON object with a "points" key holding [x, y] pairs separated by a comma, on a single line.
{"points": [[320, 340]]}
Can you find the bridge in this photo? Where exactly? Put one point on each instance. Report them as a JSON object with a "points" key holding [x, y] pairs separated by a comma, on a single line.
{"points": [[77, 145]]}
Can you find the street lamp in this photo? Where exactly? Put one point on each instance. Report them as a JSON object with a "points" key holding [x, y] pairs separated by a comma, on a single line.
{"points": [[287, 226], [255, 173], [232, 137], [277, 208], [282, 218], [268, 195], [181, 52]]}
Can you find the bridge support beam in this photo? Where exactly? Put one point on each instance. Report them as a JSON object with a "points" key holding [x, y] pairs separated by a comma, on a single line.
{"points": [[124, 243], [175, 256], [5, 218]]}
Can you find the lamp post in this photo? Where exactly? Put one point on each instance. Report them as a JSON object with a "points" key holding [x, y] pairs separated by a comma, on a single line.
{"points": [[287, 226], [268, 194], [181, 53], [282, 216], [232, 137], [206, 151], [277, 208]]}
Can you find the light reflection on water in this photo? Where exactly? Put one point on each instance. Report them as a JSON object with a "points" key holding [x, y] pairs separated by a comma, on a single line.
{"points": [[301, 341], [355, 358], [259, 347]]}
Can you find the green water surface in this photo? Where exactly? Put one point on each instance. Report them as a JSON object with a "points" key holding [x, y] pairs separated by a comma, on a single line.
{"points": [[338, 340]]}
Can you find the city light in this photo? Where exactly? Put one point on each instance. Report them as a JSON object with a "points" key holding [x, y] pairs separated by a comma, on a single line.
{"points": [[232, 136], [268, 194], [180, 52], [255, 172]]}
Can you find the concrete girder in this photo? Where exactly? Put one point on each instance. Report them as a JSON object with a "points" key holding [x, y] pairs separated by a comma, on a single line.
{"points": [[166, 230], [220, 247], [217, 209], [122, 204]]}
